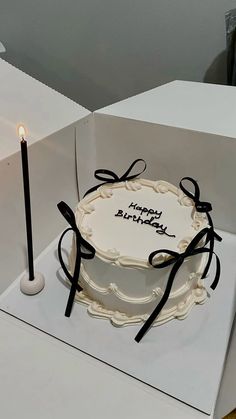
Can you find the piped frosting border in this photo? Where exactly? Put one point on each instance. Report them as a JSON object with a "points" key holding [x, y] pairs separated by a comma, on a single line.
{"points": [[86, 206]]}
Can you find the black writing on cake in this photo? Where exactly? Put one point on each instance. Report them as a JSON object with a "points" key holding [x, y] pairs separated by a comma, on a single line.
{"points": [[139, 219], [145, 211]]}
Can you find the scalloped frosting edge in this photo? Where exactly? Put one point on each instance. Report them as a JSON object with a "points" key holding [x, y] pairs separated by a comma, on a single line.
{"points": [[180, 311], [85, 206], [113, 289]]}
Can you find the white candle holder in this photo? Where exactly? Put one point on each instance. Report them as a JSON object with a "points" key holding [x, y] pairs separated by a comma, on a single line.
{"points": [[32, 287]]}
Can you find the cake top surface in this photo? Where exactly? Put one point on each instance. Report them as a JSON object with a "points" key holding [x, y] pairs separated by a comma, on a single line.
{"points": [[126, 221]]}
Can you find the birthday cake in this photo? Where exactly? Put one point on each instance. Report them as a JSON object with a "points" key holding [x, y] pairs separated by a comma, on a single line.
{"points": [[135, 227]]}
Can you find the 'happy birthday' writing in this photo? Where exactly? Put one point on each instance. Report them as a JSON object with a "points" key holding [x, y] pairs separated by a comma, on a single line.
{"points": [[155, 215]]}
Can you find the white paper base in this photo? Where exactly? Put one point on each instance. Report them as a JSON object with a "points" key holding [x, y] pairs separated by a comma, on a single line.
{"points": [[184, 359]]}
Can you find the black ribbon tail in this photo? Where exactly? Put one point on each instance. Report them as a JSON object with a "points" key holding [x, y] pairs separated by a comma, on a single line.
{"points": [[201, 207], [177, 259], [75, 286], [64, 268], [212, 237], [160, 305], [217, 275], [71, 298], [210, 253], [73, 279], [217, 237], [89, 253]]}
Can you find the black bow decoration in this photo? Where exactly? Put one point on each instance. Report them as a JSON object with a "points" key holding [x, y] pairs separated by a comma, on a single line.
{"points": [[89, 253], [201, 207], [111, 177], [178, 258]]}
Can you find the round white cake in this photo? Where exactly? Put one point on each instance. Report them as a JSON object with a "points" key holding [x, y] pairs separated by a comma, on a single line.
{"points": [[125, 222]]}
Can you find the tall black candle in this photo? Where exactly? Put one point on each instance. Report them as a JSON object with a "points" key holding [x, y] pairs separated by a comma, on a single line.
{"points": [[25, 171]]}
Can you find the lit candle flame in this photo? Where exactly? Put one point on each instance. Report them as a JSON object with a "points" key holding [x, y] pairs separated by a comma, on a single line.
{"points": [[21, 132]]}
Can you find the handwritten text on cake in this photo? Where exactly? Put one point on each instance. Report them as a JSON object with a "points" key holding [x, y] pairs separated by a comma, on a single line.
{"points": [[143, 211]]}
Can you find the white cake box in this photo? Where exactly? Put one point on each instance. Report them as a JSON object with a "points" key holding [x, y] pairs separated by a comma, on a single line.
{"points": [[180, 129]]}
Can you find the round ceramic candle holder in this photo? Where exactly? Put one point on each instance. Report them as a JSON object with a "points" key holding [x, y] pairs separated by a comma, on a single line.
{"points": [[32, 287]]}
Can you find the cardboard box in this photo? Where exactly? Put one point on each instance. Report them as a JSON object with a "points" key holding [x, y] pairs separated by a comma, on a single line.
{"points": [[180, 129]]}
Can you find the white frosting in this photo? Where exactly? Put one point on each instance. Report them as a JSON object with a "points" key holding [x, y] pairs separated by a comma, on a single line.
{"points": [[119, 279]]}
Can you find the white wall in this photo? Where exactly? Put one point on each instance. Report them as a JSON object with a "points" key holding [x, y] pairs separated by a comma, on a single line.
{"points": [[98, 52]]}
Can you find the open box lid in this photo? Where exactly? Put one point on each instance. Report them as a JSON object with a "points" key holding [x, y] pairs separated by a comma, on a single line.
{"points": [[193, 106], [41, 109], [50, 120]]}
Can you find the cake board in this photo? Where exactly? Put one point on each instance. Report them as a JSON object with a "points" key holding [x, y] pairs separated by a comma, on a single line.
{"points": [[183, 359]]}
